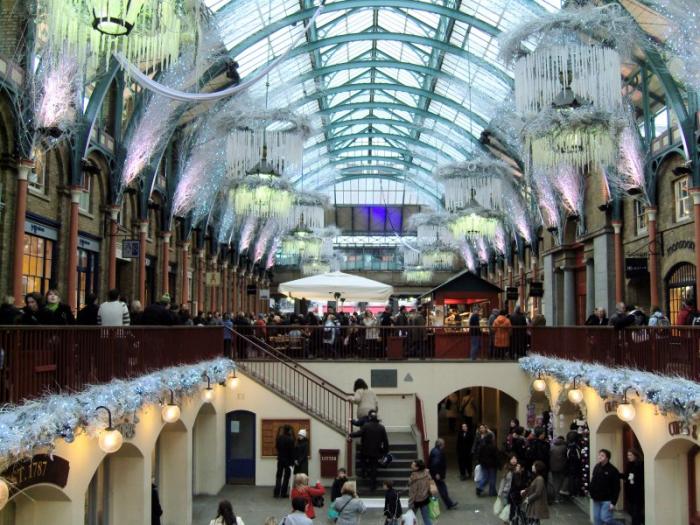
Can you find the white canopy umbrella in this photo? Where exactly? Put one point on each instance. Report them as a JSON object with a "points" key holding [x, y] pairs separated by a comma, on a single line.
{"points": [[324, 286]]}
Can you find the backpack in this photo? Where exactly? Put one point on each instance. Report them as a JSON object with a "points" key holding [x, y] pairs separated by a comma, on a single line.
{"points": [[663, 322]]}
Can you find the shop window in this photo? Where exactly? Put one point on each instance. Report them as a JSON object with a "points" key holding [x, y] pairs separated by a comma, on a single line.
{"points": [[37, 177], [37, 264], [85, 194], [681, 199], [640, 217], [87, 274], [680, 285]]}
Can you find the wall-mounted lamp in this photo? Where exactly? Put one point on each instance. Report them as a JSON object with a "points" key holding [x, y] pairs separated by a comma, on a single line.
{"points": [[110, 439]]}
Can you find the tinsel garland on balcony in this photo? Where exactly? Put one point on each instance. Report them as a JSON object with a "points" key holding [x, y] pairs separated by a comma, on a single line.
{"points": [[35, 425], [674, 395]]}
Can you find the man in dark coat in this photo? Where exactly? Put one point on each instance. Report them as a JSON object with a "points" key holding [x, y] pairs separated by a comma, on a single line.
{"points": [[156, 509], [604, 488], [301, 453], [158, 314], [557, 466], [539, 448], [437, 464], [465, 441], [285, 461], [87, 316], [9, 313], [375, 445]]}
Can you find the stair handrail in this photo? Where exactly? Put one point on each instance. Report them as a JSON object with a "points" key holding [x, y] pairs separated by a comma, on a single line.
{"points": [[281, 356]]}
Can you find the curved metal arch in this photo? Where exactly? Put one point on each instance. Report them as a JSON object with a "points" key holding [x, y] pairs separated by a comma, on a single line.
{"points": [[338, 162], [409, 39], [396, 123], [305, 14], [405, 180], [388, 136]]}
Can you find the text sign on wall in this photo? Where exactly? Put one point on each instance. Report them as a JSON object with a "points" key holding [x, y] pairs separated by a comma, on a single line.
{"points": [[40, 230], [38, 469], [636, 267], [130, 249], [384, 378]]}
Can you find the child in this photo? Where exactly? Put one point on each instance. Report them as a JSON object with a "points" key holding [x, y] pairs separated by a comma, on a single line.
{"points": [[338, 482], [392, 504]]}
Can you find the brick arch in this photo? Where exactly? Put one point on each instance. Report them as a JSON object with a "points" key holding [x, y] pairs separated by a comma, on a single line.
{"points": [[8, 126]]}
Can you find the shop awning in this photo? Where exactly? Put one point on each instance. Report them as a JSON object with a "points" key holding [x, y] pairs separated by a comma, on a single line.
{"points": [[324, 286]]}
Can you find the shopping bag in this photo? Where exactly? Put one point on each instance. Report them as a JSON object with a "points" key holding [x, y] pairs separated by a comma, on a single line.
{"points": [[497, 506], [434, 509], [504, 515], [478, 474]]}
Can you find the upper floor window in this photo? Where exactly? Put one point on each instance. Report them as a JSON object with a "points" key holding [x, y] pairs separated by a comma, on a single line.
{"points": [[682, 199], [37, 177], [661, 122], [85, 194], [640, 217]]}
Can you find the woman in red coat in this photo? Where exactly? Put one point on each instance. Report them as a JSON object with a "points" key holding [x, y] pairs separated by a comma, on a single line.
{"points": [[301, 489]]}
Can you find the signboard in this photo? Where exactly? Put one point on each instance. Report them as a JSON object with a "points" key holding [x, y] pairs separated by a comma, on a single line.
{"points": [[636, 267], [131, 249], [40, 230], [536, 289], [265, 294], [88, 244], [252, 289], [511, 293], [40, 468], [384, 378], [213, 279]]}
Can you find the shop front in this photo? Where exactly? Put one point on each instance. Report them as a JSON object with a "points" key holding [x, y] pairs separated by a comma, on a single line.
{"points": [[40, 254], [88, 267]]}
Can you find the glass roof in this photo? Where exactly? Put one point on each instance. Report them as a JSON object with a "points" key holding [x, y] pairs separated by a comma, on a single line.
{"points": [[399, 85]]}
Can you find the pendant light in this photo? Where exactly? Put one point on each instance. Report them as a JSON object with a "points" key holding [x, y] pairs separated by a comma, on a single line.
{"points": [[4, 493], [110, 440], [575, 395], [115, 17], [625, 409], [171, 412], [208, 392], [539, 384]]}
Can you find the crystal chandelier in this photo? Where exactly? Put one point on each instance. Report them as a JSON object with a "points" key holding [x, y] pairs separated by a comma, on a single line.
{"points": [[473, 222], [417, 275], [301, 242], [480, 179], [315, 267], [262, 192], [438, 258], [308, 209], [115, 17]]}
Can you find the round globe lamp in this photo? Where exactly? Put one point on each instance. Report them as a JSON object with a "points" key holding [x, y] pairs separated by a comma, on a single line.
{"points": [[110, 439], [4, 493], [208, 393], [539, 384], [626, 410], [575, 395], [170, 412]]}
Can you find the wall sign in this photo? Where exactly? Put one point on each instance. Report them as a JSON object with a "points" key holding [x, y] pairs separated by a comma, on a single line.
{"points": [[38, 469], [681, 245], [251, 289], [677, 428], [270, 428], [536, 289], [130, 249], [88, 244], [40, 230], [264, 294], [384, 378], [636, 267], [511, 293]]}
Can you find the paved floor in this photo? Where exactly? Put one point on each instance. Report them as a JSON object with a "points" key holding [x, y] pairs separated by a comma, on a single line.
{"points": [[255, 504]]}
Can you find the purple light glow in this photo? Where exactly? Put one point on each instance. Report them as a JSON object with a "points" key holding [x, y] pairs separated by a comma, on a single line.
{"points": [[548, 201], [266, 234], [247, 233], [56, 107], [482, 250], [499, 240], [569, 184], [190, 184], [270, 261], [468, 256]]}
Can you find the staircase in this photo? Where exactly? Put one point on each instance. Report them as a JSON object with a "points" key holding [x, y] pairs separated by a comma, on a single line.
{"points": [[402, 445], [290, 380]]}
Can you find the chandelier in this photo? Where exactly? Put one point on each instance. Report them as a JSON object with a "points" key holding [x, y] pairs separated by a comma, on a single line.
{"points": [[262, 192], [430, 227], [417, 275], [473, 222], [115, 17], [438, 258], [308, 209], [480, 179], [301, 242], [315, 267]]}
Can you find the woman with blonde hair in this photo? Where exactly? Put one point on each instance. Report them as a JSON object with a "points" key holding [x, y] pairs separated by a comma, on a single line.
{"points": [[349, 505], [302, 489]]}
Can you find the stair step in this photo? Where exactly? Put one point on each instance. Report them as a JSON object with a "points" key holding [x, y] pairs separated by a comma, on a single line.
{"points": [[402, 447]]}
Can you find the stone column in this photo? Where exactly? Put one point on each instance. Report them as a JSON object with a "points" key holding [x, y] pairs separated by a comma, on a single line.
{"points": [[619, 263], [23, 169], [234, 292], [143, 232], [653, 258], [185, 296], [590, 286], [112, 262], [549, 296], [523, 299], [212, 288], [72, 280], [534, 276], [224, 287], [165, 263], [695, 192], [569, 296], [200, 280]]}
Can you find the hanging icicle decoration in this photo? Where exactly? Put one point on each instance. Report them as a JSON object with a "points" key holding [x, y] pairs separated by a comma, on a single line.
{"points": [[438, 258], [315, 267], [411, 255], [58, 86], [309, 210], [430, 227], [247, 233], [468, 256], [272, 253], [262, 197], [267, 232], [630, 174], [470, 224], [417, 275], [479, 179], [301, 243], [548, 203], [570, 186], [284, 149], [328, 236]]}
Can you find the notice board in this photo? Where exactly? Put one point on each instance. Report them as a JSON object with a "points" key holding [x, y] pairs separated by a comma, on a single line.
{"points": [[270, 428]]}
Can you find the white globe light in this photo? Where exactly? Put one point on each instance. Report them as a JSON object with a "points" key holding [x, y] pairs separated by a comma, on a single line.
{"points": [[539, 385], [110, 440], [170, 413], [626, 412], [575, 396], [208, 395], [233, 382], [4, 493]]}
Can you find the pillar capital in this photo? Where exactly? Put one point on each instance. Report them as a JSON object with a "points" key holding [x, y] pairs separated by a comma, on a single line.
{"points": [[143, 227], [651, 213], [617, 227], [200, 254], [224, 265], [24, 168], [166, 236], [114, 213], [75, 193], [185, 245]]}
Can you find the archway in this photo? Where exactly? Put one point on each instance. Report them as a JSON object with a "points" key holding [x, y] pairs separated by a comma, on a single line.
{"points": [[680, 286], [174, 461], [675, 483], [208, 475], [36, 505]]}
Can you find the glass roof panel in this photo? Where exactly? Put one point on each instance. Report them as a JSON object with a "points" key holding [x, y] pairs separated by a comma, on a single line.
{"points": [[399, 97]]}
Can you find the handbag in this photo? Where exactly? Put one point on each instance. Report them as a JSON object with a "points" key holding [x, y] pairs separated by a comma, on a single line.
{"points": [[334, 514], [478, 474], [497, 506], [317, 501], [434, 508]]}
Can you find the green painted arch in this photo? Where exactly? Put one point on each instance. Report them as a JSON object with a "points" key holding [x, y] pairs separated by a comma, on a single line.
{"points": [[306, 14], [388, 136], [368, 158], [396, 123]]}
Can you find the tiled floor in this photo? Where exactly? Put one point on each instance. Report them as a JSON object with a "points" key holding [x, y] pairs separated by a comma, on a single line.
{"points": [[255, 504]]}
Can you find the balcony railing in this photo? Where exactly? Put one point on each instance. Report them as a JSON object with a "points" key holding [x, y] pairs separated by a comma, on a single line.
{"points": [[672, 351], [39, 360]]}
